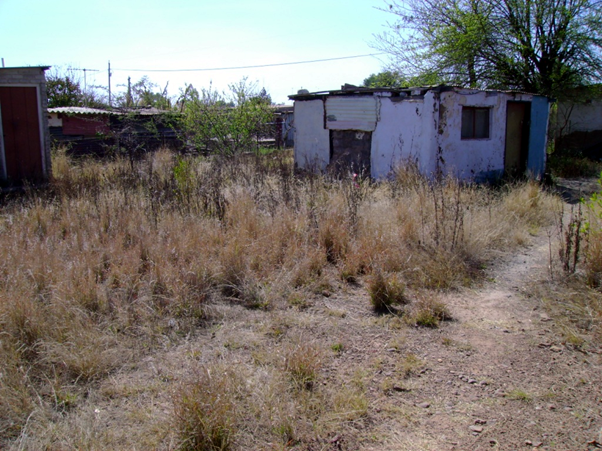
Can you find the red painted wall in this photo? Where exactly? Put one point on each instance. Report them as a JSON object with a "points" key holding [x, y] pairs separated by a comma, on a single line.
{"points": [[86, 125]]}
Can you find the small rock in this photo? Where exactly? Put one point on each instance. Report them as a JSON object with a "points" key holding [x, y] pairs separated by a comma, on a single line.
{"points": [[477, 429], [483, 383], [551, 407], [537, 444], [556, 348], [528, 443], [424, 405], [472, 381], [480, 421], [399, 388], [506, 331]]}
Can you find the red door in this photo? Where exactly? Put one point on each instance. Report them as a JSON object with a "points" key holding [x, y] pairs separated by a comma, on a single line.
{"points": [[21, 133]]}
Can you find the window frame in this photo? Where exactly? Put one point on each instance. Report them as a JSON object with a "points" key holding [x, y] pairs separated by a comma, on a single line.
{"points": [[474, 135]]}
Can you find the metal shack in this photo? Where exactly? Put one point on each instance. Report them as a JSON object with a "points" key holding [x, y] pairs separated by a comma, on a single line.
{"points": [[472, 134], [24, 139]]}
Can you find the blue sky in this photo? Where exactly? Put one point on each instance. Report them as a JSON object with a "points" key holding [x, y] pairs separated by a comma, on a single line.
{"points": [[188, 34]]}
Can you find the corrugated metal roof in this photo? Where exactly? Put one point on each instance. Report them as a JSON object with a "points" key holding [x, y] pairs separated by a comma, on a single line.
{"points": [[146, 111], [415, 91], [78, 110]]}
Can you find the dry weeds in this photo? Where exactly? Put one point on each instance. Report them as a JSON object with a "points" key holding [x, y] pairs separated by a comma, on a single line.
{"points": [[115, 264]]}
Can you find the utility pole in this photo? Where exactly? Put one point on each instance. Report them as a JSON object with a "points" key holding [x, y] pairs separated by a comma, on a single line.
{"points": [[86, 84], [110, 84], [128, 101]]}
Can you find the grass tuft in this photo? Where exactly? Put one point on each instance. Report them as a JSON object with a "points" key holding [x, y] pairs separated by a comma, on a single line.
{"points": [[386, 291]]}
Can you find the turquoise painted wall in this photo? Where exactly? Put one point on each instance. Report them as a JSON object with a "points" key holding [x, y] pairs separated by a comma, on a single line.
{"points": [[540, 110]]}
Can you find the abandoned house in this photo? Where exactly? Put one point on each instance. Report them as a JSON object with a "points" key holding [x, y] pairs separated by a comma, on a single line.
{"points": [[24, 139], [472, 134]]}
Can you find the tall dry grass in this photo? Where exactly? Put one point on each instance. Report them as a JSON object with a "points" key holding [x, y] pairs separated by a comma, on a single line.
{"points": [[114, 261]]}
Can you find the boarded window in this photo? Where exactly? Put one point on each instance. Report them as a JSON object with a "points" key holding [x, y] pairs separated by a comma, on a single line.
{"points": [[475, 122]]}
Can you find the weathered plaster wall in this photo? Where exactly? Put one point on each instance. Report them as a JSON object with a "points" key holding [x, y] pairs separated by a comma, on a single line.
{"points": [[403, 133], [312, 141], [471, 158], [581, 117]]}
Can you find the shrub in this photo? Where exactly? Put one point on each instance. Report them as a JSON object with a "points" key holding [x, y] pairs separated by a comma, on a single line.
{"points": [[428, 311], [205, 415], [302, 361], [385, 292]]}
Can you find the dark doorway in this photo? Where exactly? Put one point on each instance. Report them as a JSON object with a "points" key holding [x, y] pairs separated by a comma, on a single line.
{"points": [[517, 137], [350, 152]]}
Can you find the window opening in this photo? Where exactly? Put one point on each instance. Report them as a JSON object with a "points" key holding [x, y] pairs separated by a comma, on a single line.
{"points": [[475, 122]]}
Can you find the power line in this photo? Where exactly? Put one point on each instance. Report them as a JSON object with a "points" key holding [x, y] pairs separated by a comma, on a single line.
{"points": [[249, 67]]}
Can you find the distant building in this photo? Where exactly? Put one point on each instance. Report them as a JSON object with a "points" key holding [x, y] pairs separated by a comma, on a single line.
{"points": [[24, 139], [578, 123], [97, 131], [469, 133]]}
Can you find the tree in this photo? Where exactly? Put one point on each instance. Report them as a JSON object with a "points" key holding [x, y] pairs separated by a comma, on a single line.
{"points": [[393, 79], [63, 90], [385, 79], [225, 123], [540, 46], [144, 93]]}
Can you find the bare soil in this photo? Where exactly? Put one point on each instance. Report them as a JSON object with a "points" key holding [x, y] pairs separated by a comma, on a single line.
{"points": [[497, 376]]}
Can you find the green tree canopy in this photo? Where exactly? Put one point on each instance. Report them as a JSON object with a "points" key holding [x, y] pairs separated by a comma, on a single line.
{"points": [[393, 79], [63, 90], [540, 46]]}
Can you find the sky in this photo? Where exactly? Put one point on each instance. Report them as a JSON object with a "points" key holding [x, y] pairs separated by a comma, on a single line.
{"points": [[140, 37]]}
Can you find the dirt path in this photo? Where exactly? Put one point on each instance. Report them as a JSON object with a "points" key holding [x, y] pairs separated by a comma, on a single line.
{"points": [[498, 377]]}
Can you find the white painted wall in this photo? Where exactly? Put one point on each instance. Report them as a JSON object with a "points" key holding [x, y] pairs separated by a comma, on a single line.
{"points": [[583, 117], [54, 120], [404, 132], [312, 141], [473, 158]]}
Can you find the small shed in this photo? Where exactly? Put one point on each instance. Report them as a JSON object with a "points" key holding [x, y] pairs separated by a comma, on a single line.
{"points": [[85, 130], [469, 133], [24, 138]]}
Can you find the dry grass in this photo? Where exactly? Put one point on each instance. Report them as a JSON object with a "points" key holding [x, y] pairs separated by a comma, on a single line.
{"points": [[114, 263]]}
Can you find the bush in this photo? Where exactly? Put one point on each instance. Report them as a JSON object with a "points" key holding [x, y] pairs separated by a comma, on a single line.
{"points": [[385, 291], [205, 410]]}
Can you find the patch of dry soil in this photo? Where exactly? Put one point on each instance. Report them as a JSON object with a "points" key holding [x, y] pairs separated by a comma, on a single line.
{"points": [[498, 376]]}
